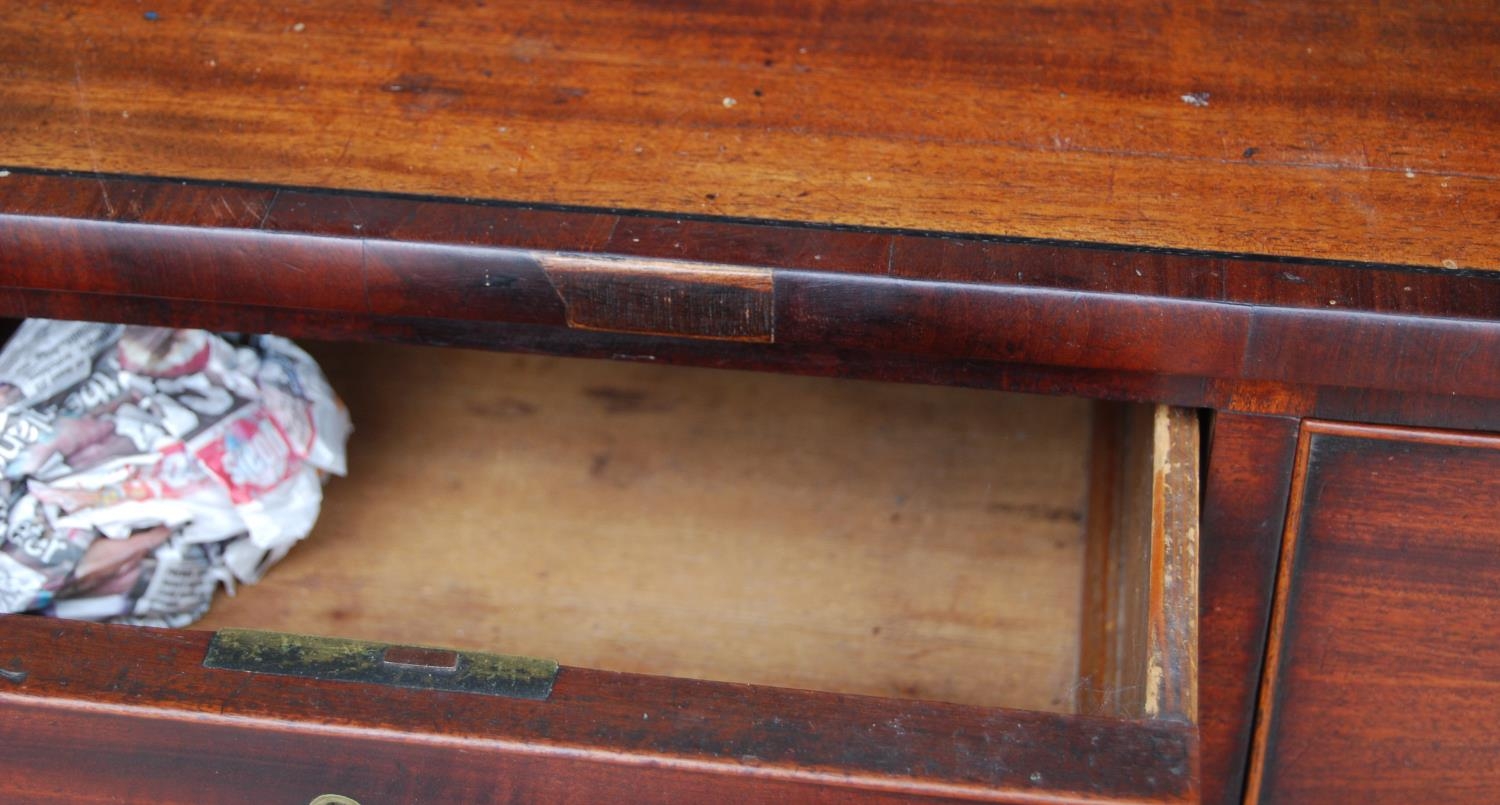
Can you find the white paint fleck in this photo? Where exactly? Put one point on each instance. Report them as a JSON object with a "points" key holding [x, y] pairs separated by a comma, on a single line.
{"points": [[299, 27], [1198, 99], [1411, 174], [1036, 777], [729, 103], [1450, 264], [4, 174]]}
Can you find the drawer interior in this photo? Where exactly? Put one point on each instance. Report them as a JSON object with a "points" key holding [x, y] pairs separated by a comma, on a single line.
{"points": [[844, 536]]}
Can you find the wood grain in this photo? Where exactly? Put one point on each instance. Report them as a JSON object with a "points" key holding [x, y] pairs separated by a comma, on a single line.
{"points": [[1074, 266], [1140, 617], [1328, 131], [1247, 477], [112, 712], [898, 541], [1099, 657], [1380, 678], [1077, 320], [664, 297], [1410, 408], [1171, 679]]}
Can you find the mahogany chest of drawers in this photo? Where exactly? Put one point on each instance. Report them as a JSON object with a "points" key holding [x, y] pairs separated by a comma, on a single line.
{"points": [[1123, 428]]}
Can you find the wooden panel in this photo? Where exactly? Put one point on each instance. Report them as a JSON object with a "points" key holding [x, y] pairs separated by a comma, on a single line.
{"points": [[1332, 131], [1099, 658], [1247, 478], [111, 712], [1170, 682], [1140, 658], [1381, 677], [890, 540]]}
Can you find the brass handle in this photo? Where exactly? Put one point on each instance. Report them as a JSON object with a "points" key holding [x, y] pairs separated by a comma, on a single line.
{"points": [[337, 659]]}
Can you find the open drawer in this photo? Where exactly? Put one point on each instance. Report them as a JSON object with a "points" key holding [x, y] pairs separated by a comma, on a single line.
{"points": [[781, 588]]}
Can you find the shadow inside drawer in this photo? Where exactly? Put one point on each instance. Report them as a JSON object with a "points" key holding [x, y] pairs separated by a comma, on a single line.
{"points": [[855, 537]]}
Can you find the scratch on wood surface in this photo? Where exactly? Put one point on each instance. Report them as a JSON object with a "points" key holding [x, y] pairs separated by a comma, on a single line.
{"points": [[85, 120], [265, 213], [289, 264], [223, 204], [338, 161]]}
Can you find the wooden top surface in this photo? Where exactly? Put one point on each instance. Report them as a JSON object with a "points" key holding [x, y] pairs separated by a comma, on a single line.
{"points": [[1323, 130]]}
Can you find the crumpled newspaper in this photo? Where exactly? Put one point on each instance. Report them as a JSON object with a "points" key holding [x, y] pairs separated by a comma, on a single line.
{"points": [[142, 467]]}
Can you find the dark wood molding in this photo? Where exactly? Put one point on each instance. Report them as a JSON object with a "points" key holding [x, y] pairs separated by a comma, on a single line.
{"points": [[1233, 277], [108, 247]]}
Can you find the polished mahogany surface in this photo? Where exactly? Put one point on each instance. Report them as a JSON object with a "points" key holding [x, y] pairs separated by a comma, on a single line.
{"points": [[1329, 130], [1385, 646]]}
